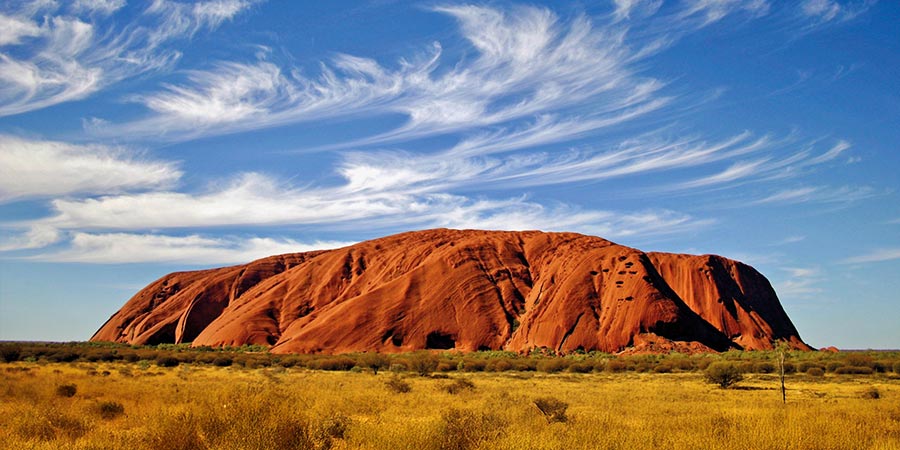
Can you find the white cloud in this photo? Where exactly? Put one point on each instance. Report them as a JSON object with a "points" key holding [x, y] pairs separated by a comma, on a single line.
{"points": [[487, 161], [177, 20], [800, 272], [790, 240], [73, 55], [214, 13], [254, 199], [818, 194], [104, 7], [801, 282], [116, 248], [823, 11], [35, 168], [835, 151], [528, 64], [38, 236], [625, 9], [52, 75], [453, 212], [230, 93], [877, 255], [13, 29], [710, 11]]}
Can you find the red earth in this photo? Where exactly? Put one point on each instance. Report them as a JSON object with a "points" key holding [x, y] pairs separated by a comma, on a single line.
{"points": [[465, 290]]}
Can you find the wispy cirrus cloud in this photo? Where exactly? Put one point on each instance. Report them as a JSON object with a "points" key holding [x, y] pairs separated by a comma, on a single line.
{"points": [[477, 164], [254, 199], [876, 255], [818, 194], [533, 80], [38, 168], [73, 53], [823, 11], [800, 282], [117, 248], [103, 7], [529, 64], [626, 9], [709, 11]]}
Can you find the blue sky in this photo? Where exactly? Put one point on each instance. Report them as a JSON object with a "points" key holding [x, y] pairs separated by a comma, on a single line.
{"points": [[144, 138]]}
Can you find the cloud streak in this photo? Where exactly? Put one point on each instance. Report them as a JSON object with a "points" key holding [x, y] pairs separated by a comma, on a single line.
{"points": [[38, 168], [73, 54], [877, 255], [117, 248], [823, 11], [529, 64]]}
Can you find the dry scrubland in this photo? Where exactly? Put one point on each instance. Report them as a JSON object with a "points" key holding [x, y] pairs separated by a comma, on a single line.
{"points": [[142, 405]]}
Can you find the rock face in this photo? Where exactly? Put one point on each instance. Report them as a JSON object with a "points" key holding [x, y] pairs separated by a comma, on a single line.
{"points": [[465, 290]]}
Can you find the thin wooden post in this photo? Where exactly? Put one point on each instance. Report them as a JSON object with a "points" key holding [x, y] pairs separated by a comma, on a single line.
{"points": [[783, 394]]}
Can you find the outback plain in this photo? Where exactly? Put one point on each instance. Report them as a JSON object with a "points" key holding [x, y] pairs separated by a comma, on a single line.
{"points": [[80, 396]]}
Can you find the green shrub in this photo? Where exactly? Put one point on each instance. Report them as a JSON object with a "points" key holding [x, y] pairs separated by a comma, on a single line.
{"points": [[897, 367], [806, 365], [789, 368], [764, 367], [423, 363], [815, 372], [870, 393], [724, 374], [222, 361], [472, 365], [66, 390], [553, 365], [374, 361], [525, 365], [463, 430], [833, 366], [110, 410], [333, 426], [459, 385], [167, 361], [398, 386], [703, 363], [663, 368], [615, 366], [683, 364], [554, 410], [853, 370], [859, 360], [447, 366], [336, 363], [498, 365], [9, 354]]}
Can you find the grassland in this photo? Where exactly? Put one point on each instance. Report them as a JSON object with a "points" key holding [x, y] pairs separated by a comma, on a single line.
{"points": [[143, 405]]}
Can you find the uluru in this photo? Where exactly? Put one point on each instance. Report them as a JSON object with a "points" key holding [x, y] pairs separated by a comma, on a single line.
{"points": [[464, 290]]}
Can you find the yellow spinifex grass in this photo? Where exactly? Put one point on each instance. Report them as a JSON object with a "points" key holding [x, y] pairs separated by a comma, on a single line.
{"points": [[202, 407]]}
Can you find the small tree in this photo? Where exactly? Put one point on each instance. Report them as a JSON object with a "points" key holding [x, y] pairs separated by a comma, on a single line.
{"points": [[724, 374], [374, 361], [554, 410], [423, 363], [782, 349]]}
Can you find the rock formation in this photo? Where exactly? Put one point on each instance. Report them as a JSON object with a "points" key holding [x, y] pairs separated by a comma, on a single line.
{"points": [[465, 290]]}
